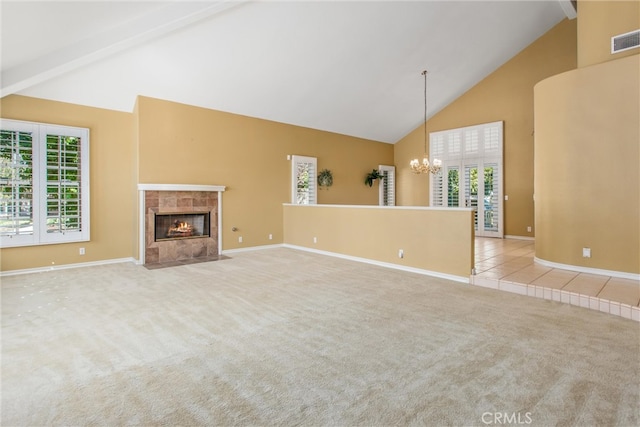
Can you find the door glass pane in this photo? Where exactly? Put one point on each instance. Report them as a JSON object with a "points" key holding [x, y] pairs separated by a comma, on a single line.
{"points": [[471, 190], [491, 211], [453, 187]]}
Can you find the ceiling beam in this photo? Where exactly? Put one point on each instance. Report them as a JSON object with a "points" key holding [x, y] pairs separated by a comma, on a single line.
{"points": [[569, 8]]}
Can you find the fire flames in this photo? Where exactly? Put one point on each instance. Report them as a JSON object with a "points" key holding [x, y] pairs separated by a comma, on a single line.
{"points": [[180, 229]]}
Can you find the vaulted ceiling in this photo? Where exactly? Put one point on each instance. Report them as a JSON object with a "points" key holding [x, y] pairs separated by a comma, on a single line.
{"points": [[350, 67]]}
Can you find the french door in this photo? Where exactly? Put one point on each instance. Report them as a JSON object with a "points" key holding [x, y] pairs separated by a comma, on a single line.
{"points": [[481, 190], [471, 175]]}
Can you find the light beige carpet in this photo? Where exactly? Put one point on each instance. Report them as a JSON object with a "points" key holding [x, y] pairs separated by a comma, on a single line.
{"points": [[284, 337]]}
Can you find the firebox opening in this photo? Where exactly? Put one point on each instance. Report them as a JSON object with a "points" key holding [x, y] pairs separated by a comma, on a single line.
{"points": [[172, 226]]}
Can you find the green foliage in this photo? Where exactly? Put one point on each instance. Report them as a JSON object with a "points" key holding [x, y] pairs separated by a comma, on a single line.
{"points": [[453, 187], [372, 176], [325, 178]]}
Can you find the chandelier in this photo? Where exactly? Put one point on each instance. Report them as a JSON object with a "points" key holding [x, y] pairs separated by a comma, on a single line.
{"points": [[425, 166]]}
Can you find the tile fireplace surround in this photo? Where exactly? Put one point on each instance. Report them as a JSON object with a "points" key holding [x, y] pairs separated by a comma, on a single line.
{"points": [[178, 198]]}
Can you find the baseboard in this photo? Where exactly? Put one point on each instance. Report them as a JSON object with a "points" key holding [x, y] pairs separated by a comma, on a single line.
{"points": [[579, 269], [66, 266], [251, 248], [508, 236], [460, 279]]}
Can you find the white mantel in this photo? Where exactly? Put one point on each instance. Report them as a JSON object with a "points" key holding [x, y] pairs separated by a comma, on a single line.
{"points": [[180, 187], [142, 188]]}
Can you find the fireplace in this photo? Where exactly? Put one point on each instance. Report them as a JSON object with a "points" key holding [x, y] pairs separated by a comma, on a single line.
{"points": [[182, 225]]}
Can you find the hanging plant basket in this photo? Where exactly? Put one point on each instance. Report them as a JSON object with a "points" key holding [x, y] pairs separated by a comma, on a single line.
{"points": [[325, 178], [372, 176]]}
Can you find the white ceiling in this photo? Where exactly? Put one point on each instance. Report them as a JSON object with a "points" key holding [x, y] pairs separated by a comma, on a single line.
{"points": [[350, 67]]}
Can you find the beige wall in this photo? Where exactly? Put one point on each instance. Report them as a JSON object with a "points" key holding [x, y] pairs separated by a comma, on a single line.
{"points": [[112, 160], [181, 144], [600, 20], [587, 166], [169, 143], [505, 95], [437, 240], [587, 148]]}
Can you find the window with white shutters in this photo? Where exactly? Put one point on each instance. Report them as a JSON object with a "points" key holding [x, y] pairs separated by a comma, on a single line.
{"points": [[471, 173], [304, 190], [44, 184], [387, 188]]}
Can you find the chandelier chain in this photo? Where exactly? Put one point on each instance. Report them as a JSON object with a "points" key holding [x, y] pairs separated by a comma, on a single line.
{"points": [[424, 166], [424, 73]]}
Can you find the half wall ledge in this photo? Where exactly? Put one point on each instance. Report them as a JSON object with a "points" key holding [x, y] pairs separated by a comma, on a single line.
{"points": [[420, 238]]}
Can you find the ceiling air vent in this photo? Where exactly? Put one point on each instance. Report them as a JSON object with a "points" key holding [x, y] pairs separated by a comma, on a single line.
{"points": [[625, 41]]}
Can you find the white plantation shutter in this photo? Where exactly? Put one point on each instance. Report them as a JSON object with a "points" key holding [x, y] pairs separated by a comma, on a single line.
{"points": [[492, 140], [454, 145], [437, 190], [436, 146], [63, 182], [471, 142], [18, 184], [44, 184], [387, 186], [304, 190]]}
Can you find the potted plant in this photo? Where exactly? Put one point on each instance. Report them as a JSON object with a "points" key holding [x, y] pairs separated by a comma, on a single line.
{"points": [[372, 176], [325, 178]]}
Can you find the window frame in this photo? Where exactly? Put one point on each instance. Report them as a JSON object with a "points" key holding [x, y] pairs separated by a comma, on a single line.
{"points": [[40, 235]]}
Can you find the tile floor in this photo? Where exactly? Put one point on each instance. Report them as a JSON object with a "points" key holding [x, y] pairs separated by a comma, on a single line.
{"points": [[508, 264]]}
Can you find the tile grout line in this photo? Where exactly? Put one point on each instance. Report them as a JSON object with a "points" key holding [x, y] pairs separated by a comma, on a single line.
{"points": [[561, 295]]}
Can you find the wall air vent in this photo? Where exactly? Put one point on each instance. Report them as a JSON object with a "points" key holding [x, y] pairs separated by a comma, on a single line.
{"points": [[625, 41]]}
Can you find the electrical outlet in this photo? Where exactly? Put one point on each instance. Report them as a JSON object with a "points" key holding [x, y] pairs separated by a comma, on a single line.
{"points": [[529, 229], [586, 252], [401, 253], [81, 251], [315, 240], [270, 236], [240, 239]]}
